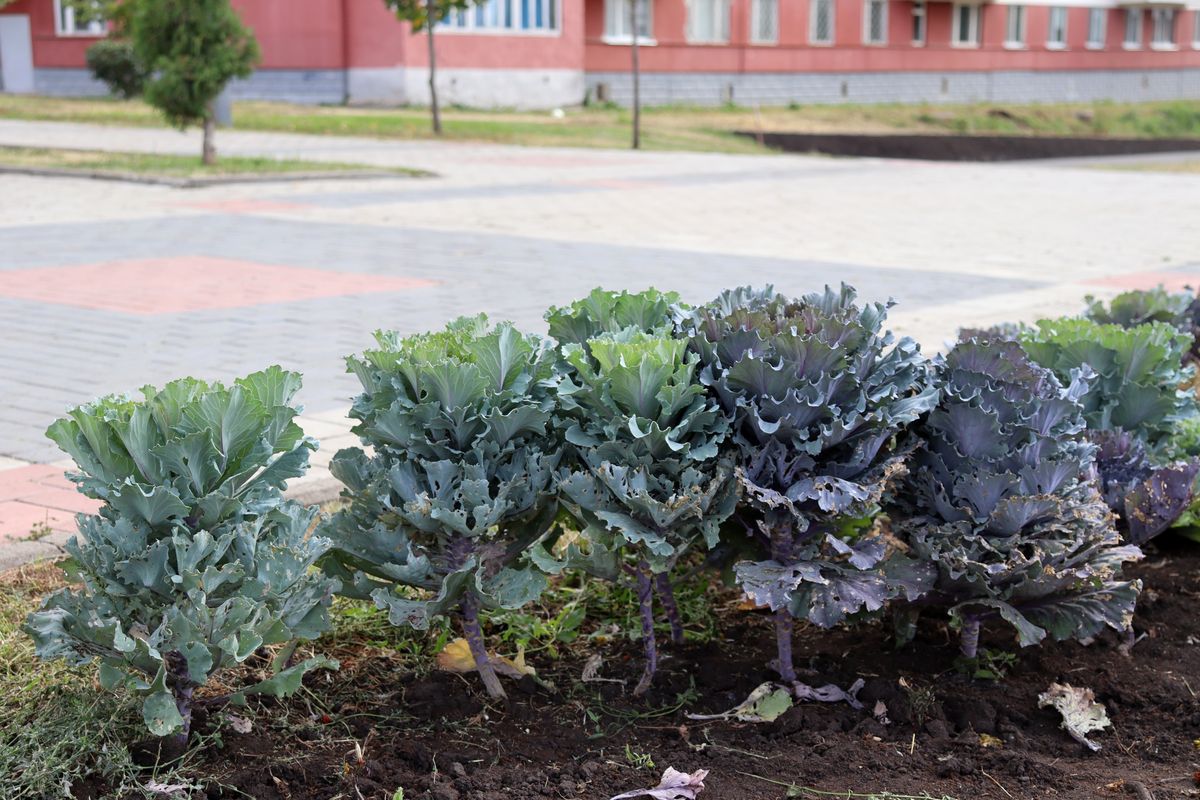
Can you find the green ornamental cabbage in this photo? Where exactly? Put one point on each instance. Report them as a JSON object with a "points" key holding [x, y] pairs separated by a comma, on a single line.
{"points": [[649, 311], [195, 560], [461, 481], [998, 496], [1180, 310], [647, 475], [1138, 412], [816, 391]]}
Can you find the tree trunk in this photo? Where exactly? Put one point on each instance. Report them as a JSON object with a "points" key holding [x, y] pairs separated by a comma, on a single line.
{"points": [[430, 21], [474, 635], [645, 594], [781, 551], [666, 595], [635, 73], [208, 152]]}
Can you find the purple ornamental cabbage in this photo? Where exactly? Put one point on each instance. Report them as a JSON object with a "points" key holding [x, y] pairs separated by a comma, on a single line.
{"points": [[998, 497], [816, 390]]}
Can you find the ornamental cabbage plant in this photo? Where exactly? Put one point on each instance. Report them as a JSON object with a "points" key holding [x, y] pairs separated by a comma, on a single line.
{"points": [[605, 311], [816, 391], [1136, 409], [1180, 310], [647, 475], [460, 484], [194, 560], [998, 498]]}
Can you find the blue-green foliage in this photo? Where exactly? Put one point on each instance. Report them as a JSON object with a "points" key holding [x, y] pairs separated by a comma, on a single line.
{"points": [[462, 425], [194, 560]]}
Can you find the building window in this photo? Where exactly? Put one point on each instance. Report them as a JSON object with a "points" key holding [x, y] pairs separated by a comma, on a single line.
{"points": [[1097, 17], [821, 24], [498, 16], [918, 23], [1014, 26], [764, 21], [1196, 29], [875, 21], [1133, 28], [616, 21], [1162, 28], [708, 21], [71, 19], [1056, 36], [966, 26]]}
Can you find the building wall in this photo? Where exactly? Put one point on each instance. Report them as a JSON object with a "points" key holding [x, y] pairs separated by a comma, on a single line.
{"points": [[332, 51]]}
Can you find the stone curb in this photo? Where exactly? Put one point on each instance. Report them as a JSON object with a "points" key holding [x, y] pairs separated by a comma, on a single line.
{"points": [[202, 183]]}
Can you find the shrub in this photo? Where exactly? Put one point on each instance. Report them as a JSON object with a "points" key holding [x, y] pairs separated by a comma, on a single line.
{"points": [[463, 427], [998, 499], [1137, 390], [194, 561], [113, 62], [816, 392], [647, 475]]}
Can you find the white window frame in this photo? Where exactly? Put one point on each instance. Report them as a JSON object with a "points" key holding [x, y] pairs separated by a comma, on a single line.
{"points": [[65, 25], [1157, 15], [756, 7], [1196, 28], [1057, 13], [505, 17], [974, 26], [1136, 15], [623, 35], [720, 11], [883, 23], [1021, 14], [1101, 30], [812, 23], [920, 11]]}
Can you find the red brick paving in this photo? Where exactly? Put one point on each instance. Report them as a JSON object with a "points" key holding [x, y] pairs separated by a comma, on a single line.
{"points": [[39, 495], [177, 285], [1172, 281]]}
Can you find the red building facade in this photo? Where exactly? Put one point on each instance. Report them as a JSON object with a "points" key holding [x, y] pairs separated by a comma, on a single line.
{"points": [[546, 53]]}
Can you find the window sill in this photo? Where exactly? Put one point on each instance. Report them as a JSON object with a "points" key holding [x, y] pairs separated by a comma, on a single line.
{"points": [[875, 44], [764, 42], [820, 44], [1015, 46], [1058, 48], [1094, 46], [536, 34], [627, 41], [1131, 47], [707, 42], [965, 45], [1164, 48], [82, 35]]}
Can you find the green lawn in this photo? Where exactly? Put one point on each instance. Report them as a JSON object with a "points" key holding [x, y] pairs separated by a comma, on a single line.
{"points": [[168, 166], [1191, 167], [669, 128]]}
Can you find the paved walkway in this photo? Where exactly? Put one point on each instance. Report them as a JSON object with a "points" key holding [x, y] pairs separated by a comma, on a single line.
{"points": [[107, 286]]}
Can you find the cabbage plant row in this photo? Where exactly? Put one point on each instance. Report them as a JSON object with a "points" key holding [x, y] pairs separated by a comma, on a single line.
{"points": [[834, 468]]}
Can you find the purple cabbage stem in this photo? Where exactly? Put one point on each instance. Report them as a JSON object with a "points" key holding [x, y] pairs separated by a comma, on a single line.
{"points": [[645, 593], [666, 596]]}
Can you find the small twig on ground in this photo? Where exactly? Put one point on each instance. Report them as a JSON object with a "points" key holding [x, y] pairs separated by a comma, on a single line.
{"points": [[998, 783]]}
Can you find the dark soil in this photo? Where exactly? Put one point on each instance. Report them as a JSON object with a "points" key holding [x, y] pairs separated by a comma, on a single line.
{"points": [[956, 147], [944, 734]]}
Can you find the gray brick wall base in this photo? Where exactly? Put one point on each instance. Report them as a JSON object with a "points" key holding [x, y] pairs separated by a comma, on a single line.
{"points": [[782, 88], [290, 85]]}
